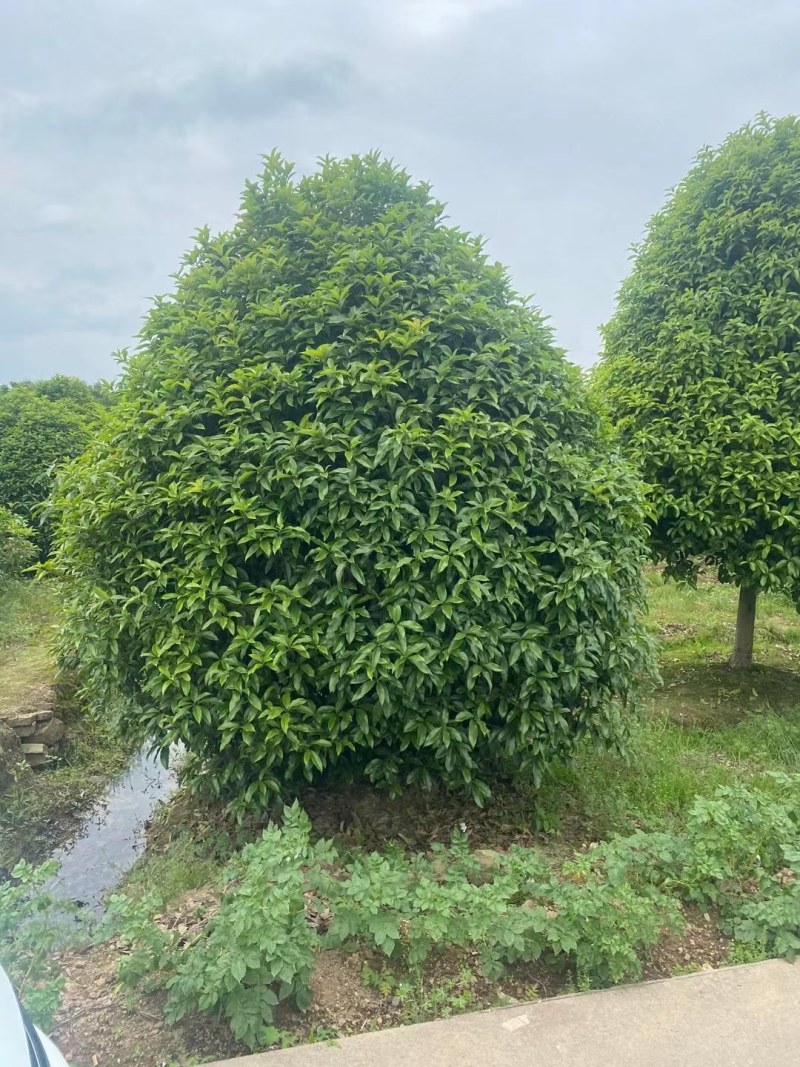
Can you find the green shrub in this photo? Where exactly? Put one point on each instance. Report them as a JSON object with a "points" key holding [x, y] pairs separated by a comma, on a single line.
{"points": [[32, 925], [17, 549], [352, 509], [252, 953], [42, 424]]}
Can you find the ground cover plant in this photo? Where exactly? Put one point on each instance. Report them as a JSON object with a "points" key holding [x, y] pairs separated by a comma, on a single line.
{"points": [[33, 925], [282, 900]]}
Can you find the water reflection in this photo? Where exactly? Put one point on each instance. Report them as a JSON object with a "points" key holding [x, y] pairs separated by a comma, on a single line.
{"points": [[113, 834]]}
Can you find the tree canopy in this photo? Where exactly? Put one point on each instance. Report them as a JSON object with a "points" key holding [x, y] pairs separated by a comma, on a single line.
{"points": [[701, 367], [43, 423], [17, 549], [351, 509]]}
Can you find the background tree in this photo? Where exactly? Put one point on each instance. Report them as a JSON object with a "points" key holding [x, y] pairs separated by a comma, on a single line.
{"points": [[17, 549], [351, 509], [701, 369], [42, 424]]}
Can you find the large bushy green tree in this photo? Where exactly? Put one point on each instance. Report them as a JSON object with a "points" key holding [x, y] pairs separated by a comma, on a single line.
{"points": [[701, 368], [351, 509], [43, 423]]}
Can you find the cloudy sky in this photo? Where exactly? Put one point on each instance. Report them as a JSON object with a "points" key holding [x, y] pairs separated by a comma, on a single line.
{"points": [[553, 128]]}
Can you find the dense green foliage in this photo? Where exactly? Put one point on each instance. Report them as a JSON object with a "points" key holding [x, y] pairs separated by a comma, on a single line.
{"points": [[17, 549], [251, 954], [701, 368], [352, 509], [595, 914], [42, 424], [32, 925]]}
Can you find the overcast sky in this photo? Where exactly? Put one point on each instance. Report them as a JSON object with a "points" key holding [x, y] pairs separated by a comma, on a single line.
{"points": [[553, 128]]}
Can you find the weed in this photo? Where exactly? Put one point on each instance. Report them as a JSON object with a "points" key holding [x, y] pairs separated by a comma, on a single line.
{"points": [[32, 925], [184, 866], [419, 1001], [748, 951]]}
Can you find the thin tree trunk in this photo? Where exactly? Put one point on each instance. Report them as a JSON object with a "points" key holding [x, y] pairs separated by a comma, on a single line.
{"points": [[742, 655]]}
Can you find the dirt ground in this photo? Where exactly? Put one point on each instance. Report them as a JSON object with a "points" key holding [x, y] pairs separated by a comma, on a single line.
{"points": [[102, 1025]]}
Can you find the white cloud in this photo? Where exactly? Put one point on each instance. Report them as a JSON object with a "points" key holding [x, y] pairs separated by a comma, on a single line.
{"points": [[434, 20], [554, 129], [55, 215], [21, 280]]}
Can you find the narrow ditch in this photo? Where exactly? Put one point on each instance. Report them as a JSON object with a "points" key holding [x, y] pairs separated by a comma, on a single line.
{"points": [[112, 835]]}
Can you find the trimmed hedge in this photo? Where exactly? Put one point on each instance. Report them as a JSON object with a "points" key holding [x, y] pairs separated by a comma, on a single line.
{"points": [[352, 508]]}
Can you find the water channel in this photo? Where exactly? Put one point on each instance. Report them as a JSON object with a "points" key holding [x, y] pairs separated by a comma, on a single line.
{"points": [[112, 834]]}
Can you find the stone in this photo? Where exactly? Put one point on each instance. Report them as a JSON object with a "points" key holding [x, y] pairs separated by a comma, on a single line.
{"points": [[50, 733], [37, 759], [488, 861], [22, 721], [33, 749]]}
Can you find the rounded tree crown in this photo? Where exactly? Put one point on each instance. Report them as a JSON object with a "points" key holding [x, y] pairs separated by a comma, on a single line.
{"points": [[353, 510], [701, 367]]}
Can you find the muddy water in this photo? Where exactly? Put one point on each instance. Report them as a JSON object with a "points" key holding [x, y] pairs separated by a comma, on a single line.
{"points": [[112, 836]]}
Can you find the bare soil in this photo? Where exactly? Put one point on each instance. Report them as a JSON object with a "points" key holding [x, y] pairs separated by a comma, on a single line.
{"points": [[100, 1024]]}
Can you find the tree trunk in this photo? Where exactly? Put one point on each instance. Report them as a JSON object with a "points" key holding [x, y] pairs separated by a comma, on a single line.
{"points": [[742, 655]]}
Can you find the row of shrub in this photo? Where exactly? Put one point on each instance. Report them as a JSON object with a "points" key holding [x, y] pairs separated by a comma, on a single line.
{"points": [[283, 898]]}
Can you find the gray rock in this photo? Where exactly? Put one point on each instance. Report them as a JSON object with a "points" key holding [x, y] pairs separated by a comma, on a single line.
{"points": [[37, 759], [488, 860], [21, 719], [50, 733]]}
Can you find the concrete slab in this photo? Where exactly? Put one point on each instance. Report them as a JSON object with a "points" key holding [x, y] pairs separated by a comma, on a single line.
{"points": [[745, 1016]]}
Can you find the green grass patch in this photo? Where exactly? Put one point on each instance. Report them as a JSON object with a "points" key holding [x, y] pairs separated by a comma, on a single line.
{"points": [[27, 610], [28, 614], [185, 865], [695, 625], [706, 726]]}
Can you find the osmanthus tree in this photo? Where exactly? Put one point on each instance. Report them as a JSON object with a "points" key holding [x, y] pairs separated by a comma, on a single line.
{"points": [[351, 510], [43, 423], [701, 369]]}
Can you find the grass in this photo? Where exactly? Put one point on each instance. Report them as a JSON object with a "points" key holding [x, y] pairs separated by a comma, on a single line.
{"points": [[705, 727], [39, 808], [186, 865], [27, 618]]}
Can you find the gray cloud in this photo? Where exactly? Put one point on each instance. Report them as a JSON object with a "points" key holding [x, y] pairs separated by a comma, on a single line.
{"points": [[147, 109], [552, 129]]}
